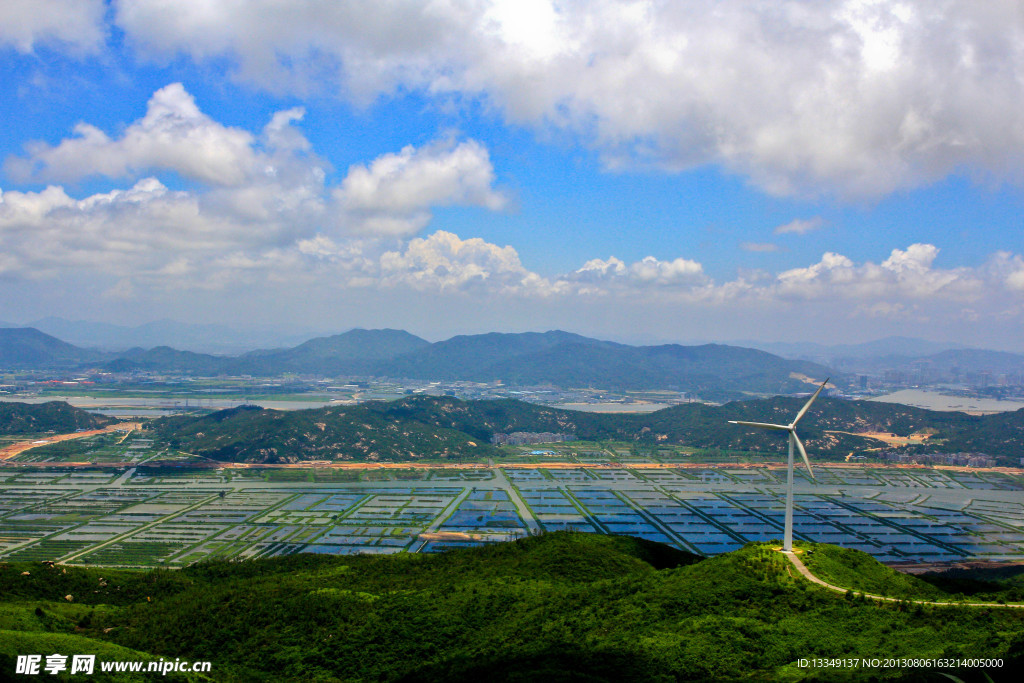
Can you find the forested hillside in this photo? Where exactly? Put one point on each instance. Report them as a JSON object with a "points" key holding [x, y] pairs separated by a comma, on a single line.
{"points": [[443, 427], [56, 416], [560, 607]]}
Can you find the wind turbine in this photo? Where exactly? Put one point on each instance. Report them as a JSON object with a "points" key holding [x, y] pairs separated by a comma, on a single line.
{"points": [[787, 541]]}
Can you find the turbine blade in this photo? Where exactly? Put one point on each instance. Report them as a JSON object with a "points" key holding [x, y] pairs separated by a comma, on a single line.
{"points": [[803, 453], [761, 425], [808, 404]]}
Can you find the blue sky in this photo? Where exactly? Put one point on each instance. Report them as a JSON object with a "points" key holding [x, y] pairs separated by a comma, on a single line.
{"points": [[639, 171]]}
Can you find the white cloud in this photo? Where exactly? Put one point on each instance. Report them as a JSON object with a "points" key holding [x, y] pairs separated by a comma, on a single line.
{"points": [[600, 269], [260, 213], [855, 98], [147, 241], [905, 274], [173, 135], [799, 226], [393, 195], [78, 24], [600, 276], [444, 261], [49, 232], [832, 268], [260, 203], [674, 272], [916, 259]]}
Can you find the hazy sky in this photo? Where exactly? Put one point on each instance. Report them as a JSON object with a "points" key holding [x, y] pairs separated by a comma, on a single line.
{"points": [[686, 170]]}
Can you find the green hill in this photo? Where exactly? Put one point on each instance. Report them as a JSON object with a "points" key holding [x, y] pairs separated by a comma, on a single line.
{"points": [[361, 433], [57, 416], [420, 427], [560, 607]]}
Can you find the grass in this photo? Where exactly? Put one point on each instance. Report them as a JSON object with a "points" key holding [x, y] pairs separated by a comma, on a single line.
{"points": [[860, 572]]}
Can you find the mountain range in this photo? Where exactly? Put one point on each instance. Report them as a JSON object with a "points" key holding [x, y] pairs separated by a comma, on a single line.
{"points": [[558, 359], [555, 358], [877, 348], [202, 338], [898, 353]]}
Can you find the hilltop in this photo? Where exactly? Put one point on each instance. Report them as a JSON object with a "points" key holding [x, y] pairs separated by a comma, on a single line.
{"points": [[559, 607]]}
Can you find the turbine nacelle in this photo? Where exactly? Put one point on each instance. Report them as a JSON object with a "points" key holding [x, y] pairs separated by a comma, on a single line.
{"points": [[790, 428]]}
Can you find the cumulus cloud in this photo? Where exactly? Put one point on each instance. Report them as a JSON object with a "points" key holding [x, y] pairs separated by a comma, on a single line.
{"points": [[907, 273], [799, 226], [393, 194], [596, 270], [144, 240], [601, 276], [78, 24], [48, 232], [444, 261], [257, 199], [674, 272], [261, 211], [173, 135], [854, 98]]}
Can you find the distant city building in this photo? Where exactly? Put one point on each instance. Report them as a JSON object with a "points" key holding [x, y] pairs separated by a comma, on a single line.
{"points": [[959, 459]]}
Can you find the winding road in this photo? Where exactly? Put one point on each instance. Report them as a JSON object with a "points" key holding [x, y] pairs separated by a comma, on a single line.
{"points": [[802, 568]]}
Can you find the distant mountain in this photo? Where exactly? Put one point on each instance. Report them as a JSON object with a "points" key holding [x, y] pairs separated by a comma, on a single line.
{"points": [[715, 372], [825, 353], [357, 352], [57, 416], [218, 339], [563, 359], [26, 347], [472, 357]]}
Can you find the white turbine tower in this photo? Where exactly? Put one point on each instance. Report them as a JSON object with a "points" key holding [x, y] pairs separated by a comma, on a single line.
{"points": [[787, 541]]}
